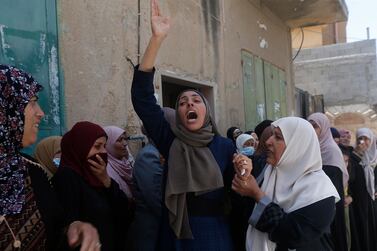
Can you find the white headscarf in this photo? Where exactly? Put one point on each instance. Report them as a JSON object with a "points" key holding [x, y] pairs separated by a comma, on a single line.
{"points": [[369, 160], [297, 180], [241, 140], [330, 151]]}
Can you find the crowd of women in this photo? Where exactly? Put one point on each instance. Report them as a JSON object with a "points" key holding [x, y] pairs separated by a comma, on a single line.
{"points": [[289, 184]]}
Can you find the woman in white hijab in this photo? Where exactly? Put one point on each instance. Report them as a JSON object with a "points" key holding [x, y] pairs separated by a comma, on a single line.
{"points": [[333, 165], [296, 203], [362, 188]]}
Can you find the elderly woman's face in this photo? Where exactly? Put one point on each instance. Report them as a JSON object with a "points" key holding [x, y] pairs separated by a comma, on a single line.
{"points": [[120, 147], [99, 146], [191, 110], [276, 146], [33, 115]]}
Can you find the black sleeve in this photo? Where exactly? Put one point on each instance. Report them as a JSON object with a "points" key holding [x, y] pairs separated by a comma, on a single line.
{"points": [[146, 107], [299, 227], [122, 210], [336, 177], [69, 190], [115, 195], [52, 213], [229, 171]]}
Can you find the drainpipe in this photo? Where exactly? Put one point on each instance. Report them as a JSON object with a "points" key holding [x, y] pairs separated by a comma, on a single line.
{"points": [[138, 31]]}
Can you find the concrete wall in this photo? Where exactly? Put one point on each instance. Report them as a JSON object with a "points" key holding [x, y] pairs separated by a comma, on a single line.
{"points": [[95, 39], [242, 31], [205, 43], [344, 73], [319, 35], [312, 37]]}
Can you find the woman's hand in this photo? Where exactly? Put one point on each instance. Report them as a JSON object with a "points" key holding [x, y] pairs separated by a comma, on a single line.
{"points": [[347, 201], [99, 170], [160, 24], [242, 165], [160, 29], [247, 187], [84, 234]]}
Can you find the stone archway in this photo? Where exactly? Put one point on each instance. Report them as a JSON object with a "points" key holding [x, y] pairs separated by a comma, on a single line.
{"points": [[352, 117]]}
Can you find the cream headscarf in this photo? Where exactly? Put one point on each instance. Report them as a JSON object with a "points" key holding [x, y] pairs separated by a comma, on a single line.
{"points": [[369, 160], [45, 152], [297, 180]]}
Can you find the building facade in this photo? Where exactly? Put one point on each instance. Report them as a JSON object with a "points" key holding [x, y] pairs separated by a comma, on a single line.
{"points": [[237, 52], [346, 75]]}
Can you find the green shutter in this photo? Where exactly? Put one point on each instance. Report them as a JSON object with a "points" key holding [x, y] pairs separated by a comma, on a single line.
{"points": [[275, 86], [28, 40], [283, 93], [268, 83], [249, 90], [260, 88]]}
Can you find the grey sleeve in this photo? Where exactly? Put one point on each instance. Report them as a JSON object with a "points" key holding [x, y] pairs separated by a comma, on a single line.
{"points": [[258, 210]]}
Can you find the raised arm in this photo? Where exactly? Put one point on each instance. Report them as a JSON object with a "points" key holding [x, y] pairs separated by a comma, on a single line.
{"points": [[160, 27], [142, 91]]}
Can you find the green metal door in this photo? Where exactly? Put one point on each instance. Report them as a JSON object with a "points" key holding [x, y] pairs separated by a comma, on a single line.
{"points": [[28, 40], [283, 93], [275, 91], [249, 91], [261, 94]]}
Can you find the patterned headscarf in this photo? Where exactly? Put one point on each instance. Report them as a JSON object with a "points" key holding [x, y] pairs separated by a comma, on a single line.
{"points": [[16, 90]]}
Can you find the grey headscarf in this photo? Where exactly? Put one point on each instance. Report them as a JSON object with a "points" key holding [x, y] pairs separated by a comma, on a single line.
{"points": [[192, 168], [369, 160]]}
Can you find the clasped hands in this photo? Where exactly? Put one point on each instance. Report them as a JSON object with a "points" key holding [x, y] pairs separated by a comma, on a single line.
{"points": [[243, 182]]}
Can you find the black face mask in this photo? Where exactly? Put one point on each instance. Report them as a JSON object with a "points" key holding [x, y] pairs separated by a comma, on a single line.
{"points": [[102, 155]]}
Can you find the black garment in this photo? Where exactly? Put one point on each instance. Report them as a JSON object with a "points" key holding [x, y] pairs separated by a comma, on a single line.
{"points": [[105, 208], [305, 229], [52, 213], [338, 226], [362, 209], [243, 206]]}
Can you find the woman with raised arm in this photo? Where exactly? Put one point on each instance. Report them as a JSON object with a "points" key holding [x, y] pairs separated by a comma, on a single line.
{"points": [[197, 178]]}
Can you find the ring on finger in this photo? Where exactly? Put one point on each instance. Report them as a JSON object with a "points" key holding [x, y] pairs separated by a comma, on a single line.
{"points": [[98, 244]]}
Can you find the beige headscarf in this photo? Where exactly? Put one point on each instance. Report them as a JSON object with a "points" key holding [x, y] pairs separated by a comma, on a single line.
{"points": [[192, 168], [297, 180], [45, 152]]}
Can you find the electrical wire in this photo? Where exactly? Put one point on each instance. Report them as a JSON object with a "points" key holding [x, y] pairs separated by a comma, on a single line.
{"points": [[302, 42]]}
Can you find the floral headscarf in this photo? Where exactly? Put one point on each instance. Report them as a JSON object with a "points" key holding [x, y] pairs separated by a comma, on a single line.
{"points": [[16, 90]]}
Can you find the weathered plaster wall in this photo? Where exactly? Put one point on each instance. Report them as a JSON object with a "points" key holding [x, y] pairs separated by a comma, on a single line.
{"points": [[242, 31], [95, 39], [204, 45]]}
